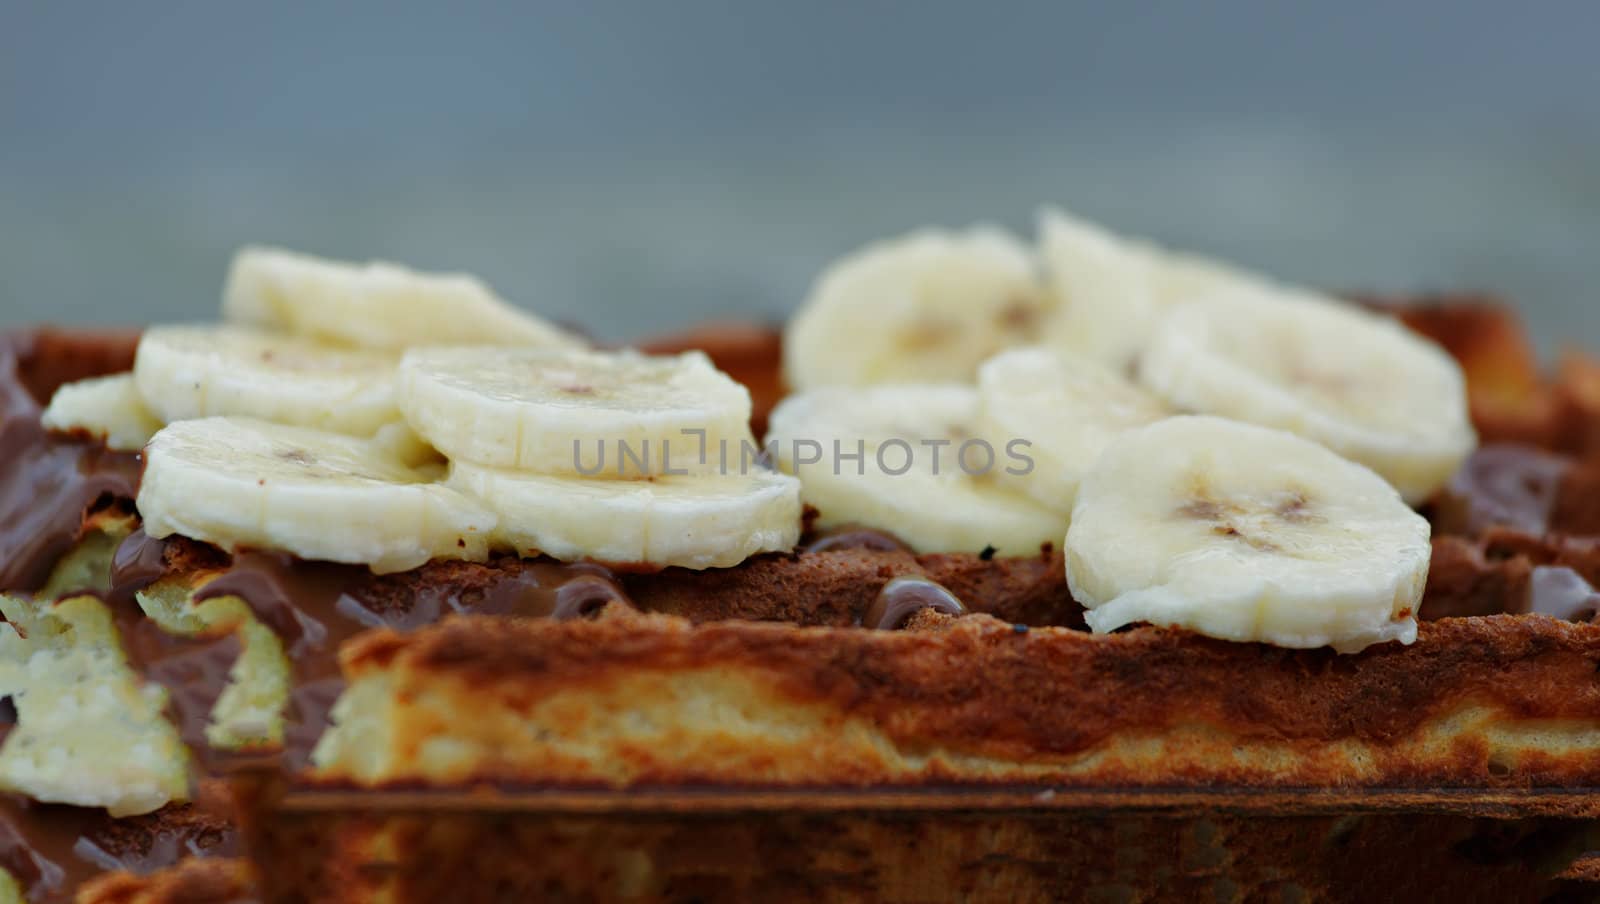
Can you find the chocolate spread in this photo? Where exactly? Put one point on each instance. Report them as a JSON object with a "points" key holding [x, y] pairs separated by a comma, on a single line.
{"points": [[139, 561], [853, 536], [37, 844], [51, 849], [903, 597], [316, 606], [1560, 592], [1502, 485], [48, 482]]}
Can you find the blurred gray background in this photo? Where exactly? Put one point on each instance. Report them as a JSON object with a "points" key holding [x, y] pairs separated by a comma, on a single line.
{"points": [[633, 166]]}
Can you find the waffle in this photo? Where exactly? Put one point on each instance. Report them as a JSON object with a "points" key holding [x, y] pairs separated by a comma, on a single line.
{"points": [[649, 704]]}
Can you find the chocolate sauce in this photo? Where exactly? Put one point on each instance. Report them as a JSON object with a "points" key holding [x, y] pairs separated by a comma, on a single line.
{"points": [[314, 607], [48, 482], [139, 561], [51, 849], [193, 669], [1560, 592], [903, 597], [549, 590], [1502, 485], [851, 536], [523, 590], [37, 842], [301, 602]]}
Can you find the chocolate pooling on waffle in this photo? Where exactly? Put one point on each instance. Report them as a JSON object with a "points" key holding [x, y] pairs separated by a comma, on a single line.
{"points": [[193, 670], [854, 536], [1560, 592], [1515, 533], [314, 607], [52, 849], [1504, 485], [49, 482], [139, 561], [902, 598]]}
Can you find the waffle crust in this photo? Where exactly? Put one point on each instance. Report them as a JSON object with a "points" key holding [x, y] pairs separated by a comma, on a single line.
{"points": [[1494, 702]]}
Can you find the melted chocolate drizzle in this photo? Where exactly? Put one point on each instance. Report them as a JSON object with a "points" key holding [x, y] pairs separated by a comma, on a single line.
{"points": [[852, 536], [903, 597], [1502, 485], [139, 561], [309, 606], [1560, 592], [316, 606], [64, 846], [48, 483], [193, 669], [43, 859]]}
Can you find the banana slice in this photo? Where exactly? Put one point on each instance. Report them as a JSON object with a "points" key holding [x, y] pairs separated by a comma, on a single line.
{"points": [[243, 482], [185, 372], [602, 414], [713, 521], [376, 304], [1068, 407], [1245, 533], [398, 440], [1113, 291], [929, 306], [1359, 383], [107, 408], [923, 471]]}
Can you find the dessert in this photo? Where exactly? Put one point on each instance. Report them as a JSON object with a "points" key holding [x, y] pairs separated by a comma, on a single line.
{"points": [[378, 599]]}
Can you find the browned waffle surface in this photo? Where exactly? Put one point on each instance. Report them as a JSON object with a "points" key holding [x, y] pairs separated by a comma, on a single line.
{"points": [[626, 699], [1512, 398], [828, 587], [48, 357]]}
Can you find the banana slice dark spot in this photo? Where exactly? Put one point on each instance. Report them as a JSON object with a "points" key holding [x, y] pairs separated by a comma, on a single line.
{"points": [[1020, 315], [929, 333], [297, 456]]}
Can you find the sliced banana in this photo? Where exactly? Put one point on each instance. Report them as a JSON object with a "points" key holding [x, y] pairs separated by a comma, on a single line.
{"points": [[107, 408], [185, 372], [929, 306], [912, 440], [376, 304], [1113, 291], [1068, 407], [398, 440], [601, 414], [713, 521], [1245, 533], [243, 482], [1357, 382]]}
